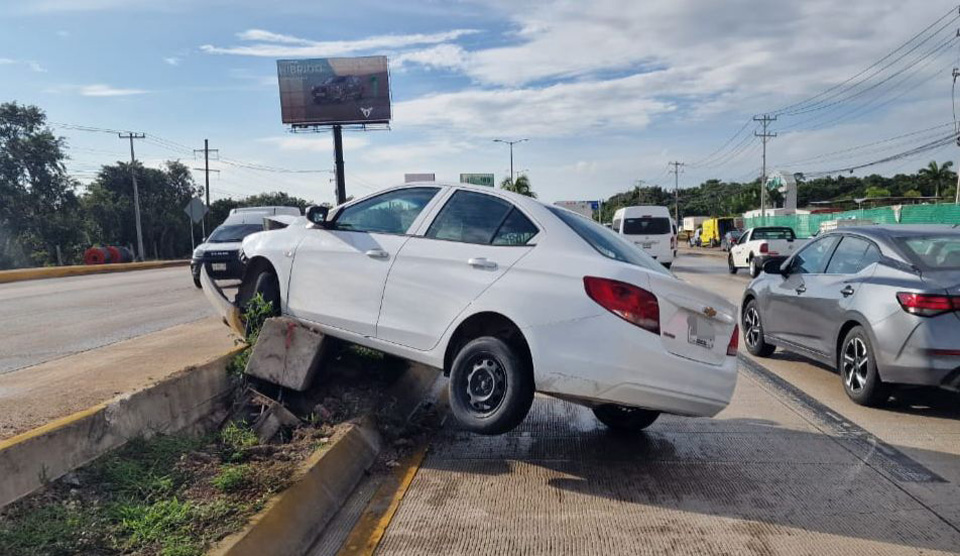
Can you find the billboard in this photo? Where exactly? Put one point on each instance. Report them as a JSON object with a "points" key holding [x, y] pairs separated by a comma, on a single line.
{"points": [[585, 208], [411, 178], [328, 91], [477, 179]]}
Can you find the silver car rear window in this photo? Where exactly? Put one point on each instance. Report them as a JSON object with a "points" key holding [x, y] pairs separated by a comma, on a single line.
{"points": [[935, 251]]}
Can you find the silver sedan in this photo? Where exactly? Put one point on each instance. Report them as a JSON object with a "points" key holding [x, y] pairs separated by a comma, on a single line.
{"points": [[881, 303]]}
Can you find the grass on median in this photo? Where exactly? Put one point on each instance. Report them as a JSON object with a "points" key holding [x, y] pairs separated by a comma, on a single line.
{"points": [[167, 496]]}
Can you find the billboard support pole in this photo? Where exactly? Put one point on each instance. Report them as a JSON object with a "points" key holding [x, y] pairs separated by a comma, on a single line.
{"points": [[338, 159]]}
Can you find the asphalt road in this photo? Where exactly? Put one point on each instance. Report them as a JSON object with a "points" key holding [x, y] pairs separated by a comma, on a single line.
{"points": [[49, 319], [790, 467]]}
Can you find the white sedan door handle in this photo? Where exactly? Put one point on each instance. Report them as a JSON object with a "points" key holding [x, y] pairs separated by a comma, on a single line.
{"points": [[377, 254], [482, 263]]}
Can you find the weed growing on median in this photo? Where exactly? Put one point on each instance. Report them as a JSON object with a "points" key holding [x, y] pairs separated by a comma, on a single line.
{"points": [[235, 437], [255, 313], [232, 478]]}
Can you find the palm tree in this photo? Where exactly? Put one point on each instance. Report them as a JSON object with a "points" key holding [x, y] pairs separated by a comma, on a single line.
{"points": [[521, 186], [937, 174]]}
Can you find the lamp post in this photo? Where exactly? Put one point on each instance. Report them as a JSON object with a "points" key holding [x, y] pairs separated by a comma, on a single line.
{"points": [[511, 143]]}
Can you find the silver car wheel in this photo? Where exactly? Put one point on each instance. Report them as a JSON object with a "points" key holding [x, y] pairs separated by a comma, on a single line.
{"points": [[486, 385], [751, 322], [855, 364]]}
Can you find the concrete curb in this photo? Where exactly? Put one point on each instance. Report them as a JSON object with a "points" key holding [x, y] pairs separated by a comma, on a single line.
{"points": [[190, 400], [21, 274], [293, 519]]}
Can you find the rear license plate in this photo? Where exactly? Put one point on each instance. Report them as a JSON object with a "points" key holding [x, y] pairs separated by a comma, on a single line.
{"points": [[218, 267], [700, 331], [647, 245]]}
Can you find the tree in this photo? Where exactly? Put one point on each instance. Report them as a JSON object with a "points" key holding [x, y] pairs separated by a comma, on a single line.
{"points": [[164, 192], [874, 191], [912, 193], [938, 175], [521, 186], [38, 204]]}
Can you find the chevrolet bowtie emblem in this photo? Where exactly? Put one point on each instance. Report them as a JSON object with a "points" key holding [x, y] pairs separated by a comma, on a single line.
{"points": [[710, 312]]}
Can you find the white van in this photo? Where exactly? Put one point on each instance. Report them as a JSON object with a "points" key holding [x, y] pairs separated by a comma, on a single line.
{"points": [[651, 228], [220, 251]]}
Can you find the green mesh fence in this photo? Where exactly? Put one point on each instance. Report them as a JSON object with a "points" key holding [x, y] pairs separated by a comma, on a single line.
{"points": [[806, 225]]}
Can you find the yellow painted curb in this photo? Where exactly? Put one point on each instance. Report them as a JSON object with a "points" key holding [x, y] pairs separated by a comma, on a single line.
{"points": [[372, 525], [51, 426], [21, 274]]}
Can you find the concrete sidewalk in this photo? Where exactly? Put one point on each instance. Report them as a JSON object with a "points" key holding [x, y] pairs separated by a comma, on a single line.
{"points": [[33, 396]]}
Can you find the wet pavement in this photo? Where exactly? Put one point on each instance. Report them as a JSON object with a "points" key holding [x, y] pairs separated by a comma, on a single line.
{"points": [[790, 467]]}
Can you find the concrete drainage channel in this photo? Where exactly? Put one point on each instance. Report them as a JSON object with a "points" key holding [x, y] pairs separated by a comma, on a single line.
{"points": [[199, 400]]}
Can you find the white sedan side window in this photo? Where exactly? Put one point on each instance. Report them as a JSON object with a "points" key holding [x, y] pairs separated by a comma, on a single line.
{"points": [[390, 213]]}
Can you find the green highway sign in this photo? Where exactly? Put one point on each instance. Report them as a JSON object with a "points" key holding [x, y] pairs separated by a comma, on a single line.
{"points": [[477, 179]]}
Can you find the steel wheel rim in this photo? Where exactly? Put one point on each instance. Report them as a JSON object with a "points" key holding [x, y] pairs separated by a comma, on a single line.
{"points": [[855, 364], [751, 322], [486, 385]]}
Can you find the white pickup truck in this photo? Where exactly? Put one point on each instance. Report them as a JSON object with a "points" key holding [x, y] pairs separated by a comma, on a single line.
{"points": [[759, 243]]}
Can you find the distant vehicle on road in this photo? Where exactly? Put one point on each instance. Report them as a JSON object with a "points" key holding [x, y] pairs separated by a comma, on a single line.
{"points": [[505, 294], [715, 228], [220, 251], [757, 244], [729, 239], [338, 89], [691, 223], [881, 304], [651, 229]]}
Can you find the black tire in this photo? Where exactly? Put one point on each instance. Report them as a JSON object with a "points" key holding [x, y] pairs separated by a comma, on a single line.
{"points": [[266, 284], [752, 327], [754, 268], [667, 265], [196, 281], [491, 387], [733, 269], [625, 419], [858, 370]]}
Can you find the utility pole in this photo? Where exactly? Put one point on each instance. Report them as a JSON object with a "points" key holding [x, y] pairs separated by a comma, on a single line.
{"points": [[511, 143], [956, 129], [338, 162], [136, 194], [676, 188], [765, 120], [206, 178]]}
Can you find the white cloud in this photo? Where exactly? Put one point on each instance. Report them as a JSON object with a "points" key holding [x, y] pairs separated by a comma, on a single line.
{"points": [[101, 90], [33, 65], [274, 45], [556, 110], [172, 60], [441, 56], [313, 143]]}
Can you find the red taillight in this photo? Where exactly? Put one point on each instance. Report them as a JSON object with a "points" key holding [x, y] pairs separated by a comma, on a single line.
{"points": [[734, 344], [632, 304], [764, 248], [927, 305]]}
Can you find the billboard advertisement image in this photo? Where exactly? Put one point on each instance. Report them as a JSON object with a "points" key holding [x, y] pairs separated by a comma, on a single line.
{"points": [[329, 91], [477, 179]]}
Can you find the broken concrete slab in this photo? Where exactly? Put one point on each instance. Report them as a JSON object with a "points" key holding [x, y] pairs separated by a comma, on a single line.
{"points": [[287, 353]]}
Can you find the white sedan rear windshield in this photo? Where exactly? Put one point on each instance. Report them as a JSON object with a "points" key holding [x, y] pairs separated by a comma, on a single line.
{"points": [[606, 242]]}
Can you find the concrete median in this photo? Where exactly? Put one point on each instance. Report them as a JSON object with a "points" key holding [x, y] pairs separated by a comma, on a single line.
{"points": [[188, 400], [21, 274]]}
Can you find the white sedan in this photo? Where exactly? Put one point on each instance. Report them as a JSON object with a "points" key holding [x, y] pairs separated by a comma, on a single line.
{"points": [[508, 296]]}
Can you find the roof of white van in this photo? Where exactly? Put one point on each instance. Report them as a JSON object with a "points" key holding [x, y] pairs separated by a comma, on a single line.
{"points": [[643, 210], [295, 211]]}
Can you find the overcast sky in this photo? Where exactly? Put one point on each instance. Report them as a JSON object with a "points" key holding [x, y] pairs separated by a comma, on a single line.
{"points": [[606, 91]]}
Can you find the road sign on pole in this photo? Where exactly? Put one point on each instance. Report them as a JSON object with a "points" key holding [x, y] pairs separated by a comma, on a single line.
{"points": [[195, 209]]}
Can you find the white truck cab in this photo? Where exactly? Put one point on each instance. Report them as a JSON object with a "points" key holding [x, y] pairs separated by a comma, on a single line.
{"points": [[651, 228]]}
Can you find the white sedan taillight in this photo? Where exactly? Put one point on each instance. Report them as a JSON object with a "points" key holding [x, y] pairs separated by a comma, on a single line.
{"points": [[632, 304]]}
